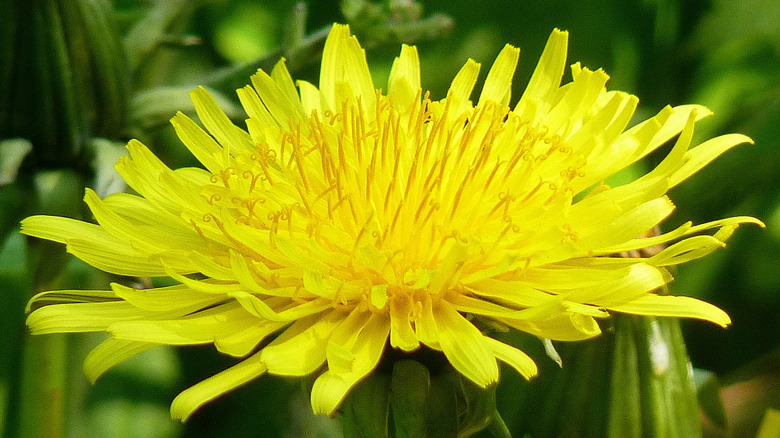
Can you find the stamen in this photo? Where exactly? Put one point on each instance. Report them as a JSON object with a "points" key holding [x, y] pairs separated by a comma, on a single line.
{"points": [[360, 233], [493, 173], [388, 192], [370, 172], [274, 218], [214, 198], [434, 206], [395, 216], [305, 201], [438, 126], [386, 124]]}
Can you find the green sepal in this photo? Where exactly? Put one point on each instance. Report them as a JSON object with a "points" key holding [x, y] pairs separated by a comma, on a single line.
{"points": [[480, 404], [442, 406], [365, 411], [408, 395]]}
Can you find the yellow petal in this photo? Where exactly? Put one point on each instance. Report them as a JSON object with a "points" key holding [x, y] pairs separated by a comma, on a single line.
{"points": [[559, 278], [300, 350], [401, 332], [52, 297], [338, 351], [640, 279], [163, 188], [498, 84], [674, 306], [674, 124], [232, 138], [689, 249], [145, 216], [578, 98], [705, 153], [93, 245], [475, 306], [243, 342], [199, 143], [461, 88], [196, 329], [310, 98], [465, 346], [208, 286], [191, 399], [674, 159], [513, 357], [258, 307], [546, 77], [425, 322], [562, 327], [518, 294], [628, 225], [404, 82], [279, 105], [81, 317], [150, 241], [331, 387], [178, 297], [645, 242], [344, 64], [284, 81], [110, 353], [463, 83], [256, 111]]}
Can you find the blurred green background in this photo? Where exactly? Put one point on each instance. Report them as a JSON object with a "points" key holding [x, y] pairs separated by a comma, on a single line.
{"points": [[720, 53]]}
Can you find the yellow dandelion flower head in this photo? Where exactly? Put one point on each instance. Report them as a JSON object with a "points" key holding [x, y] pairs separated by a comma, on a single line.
{"points": [[342, 217]]}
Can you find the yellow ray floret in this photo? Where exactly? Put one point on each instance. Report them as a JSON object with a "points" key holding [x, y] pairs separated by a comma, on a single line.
{"points": [[342, 218]]}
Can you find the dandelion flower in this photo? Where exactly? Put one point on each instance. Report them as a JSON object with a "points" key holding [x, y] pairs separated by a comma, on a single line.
{"points": [[342, 218]]}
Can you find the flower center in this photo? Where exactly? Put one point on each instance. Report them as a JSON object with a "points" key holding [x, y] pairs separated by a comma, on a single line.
{"points": [[381, 205]]}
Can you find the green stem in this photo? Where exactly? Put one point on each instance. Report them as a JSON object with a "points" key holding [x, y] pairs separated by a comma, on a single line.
{"points": [[307, 51], [42, 412]]}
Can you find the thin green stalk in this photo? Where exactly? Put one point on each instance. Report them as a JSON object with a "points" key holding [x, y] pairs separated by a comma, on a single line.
{"points": [[42, 412]]}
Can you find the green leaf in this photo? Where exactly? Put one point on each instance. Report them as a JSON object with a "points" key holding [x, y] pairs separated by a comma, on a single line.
{"points": [[480, 408]]}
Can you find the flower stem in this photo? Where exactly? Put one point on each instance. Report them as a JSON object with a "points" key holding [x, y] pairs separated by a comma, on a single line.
{"points": [[42, 411]]}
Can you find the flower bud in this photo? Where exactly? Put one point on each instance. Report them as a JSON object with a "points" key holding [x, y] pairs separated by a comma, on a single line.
{"points": [[63, 78]]}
